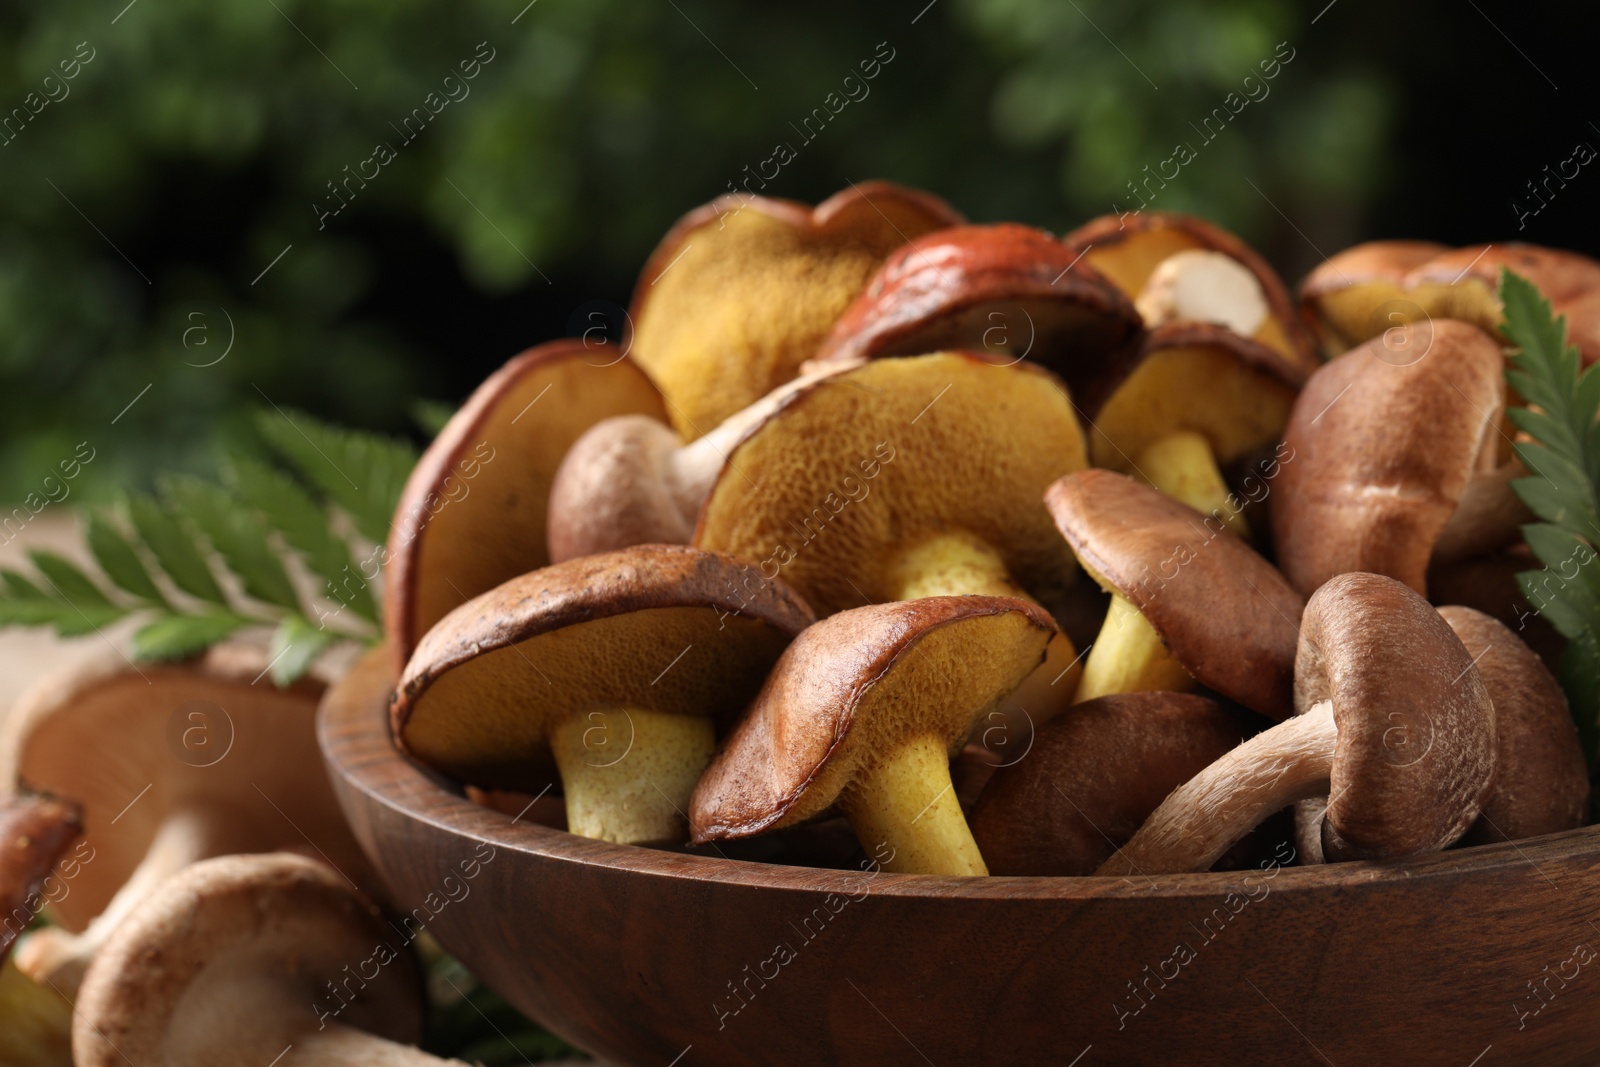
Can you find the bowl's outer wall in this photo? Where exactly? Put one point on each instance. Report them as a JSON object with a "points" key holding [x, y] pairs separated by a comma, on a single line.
{"points": [[654, 958]]}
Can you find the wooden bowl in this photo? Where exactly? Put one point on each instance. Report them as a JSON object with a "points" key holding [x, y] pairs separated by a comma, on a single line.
{"points": [[1475, 957]]}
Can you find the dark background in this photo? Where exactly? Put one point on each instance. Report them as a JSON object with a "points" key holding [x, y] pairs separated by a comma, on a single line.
{"points": [[138, 210]]}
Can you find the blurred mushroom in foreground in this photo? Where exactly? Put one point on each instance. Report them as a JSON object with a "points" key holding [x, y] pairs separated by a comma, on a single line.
{"points": [[244, 959], [171, 764]]}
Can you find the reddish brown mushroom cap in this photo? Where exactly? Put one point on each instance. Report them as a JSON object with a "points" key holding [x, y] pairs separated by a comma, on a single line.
{"points": [[1364, 291], [1415, 757], [474, 510], [1224, 612], [1007, 289], [741, 291], [1092, 777], [34, 834], [1542, 781], [1383, 443]]}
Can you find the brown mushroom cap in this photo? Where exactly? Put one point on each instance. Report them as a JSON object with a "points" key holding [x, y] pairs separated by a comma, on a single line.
{"points": [[132, 746], [848, 697], [1224, 612], [1092, 777], [1384, 441], [1371, 288], [665, 628], [855, 470], [740, 292], [1394, 727], [474, 509], [1127, 250], [34, 833], [1542, 779], [1416, 750], [229, 962], [1008, 289]]}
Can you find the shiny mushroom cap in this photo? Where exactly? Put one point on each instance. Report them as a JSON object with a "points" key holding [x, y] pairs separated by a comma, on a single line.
{"points": [[1092, 777], [1382, 446], [865, 710], [34, 833], [741, 291], [1007, 289], [1542, 781], [474, 510], [1227, 616]]}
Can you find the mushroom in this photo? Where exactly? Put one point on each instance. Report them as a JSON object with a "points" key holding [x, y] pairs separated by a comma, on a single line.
{"points": [[250, 959], [1367, 290], [1489, 584], [1394, 726], [1396, 450], [1007, 289], [864, 711], [1092, 777], [907, 478], [474, 508], [170, 764], [631, 480], [34, 834], [1542, 779], [1219, 370], [1189, 602], [740, 292], [615, 667]]}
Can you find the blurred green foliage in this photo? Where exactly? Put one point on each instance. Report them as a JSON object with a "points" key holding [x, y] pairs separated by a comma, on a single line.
{"points": [[144, 207]]}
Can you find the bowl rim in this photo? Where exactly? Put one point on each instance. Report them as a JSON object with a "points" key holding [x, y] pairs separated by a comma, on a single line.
{"points": [[359, 751]]}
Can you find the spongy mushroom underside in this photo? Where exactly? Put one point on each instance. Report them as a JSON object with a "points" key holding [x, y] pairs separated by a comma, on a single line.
{"points": [[857, 468], [817, 727], [487, 719]]}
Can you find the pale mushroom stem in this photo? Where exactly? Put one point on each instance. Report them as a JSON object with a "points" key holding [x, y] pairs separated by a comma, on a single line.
{"points": [[1128, 656], [1183, 466], [904, 811], [338, 1045], [954, 564], [1207, 815], [627, 772], [187, 835]]}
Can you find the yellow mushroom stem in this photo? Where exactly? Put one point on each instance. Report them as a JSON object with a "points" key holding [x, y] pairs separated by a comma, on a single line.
{"points": [[1183, 466], [627, 772], [1129, 656], [959, 564], [904, 811]]}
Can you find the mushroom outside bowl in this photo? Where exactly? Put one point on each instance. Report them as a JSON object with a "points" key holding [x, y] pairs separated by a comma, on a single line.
{"points": [[652, 957]]}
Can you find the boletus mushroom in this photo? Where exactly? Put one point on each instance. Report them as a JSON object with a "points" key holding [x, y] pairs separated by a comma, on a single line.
{"points": [[1365, 291], [473, 513], [741, 291], [1092, 777], [864, 712], [1189, 601], [249, 960], [1219, 369], [170, 764], [631, 480], [1396, 459], [1006, 289], [615, 667], [1394, 726], [35, 832], [1542, 781]]}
